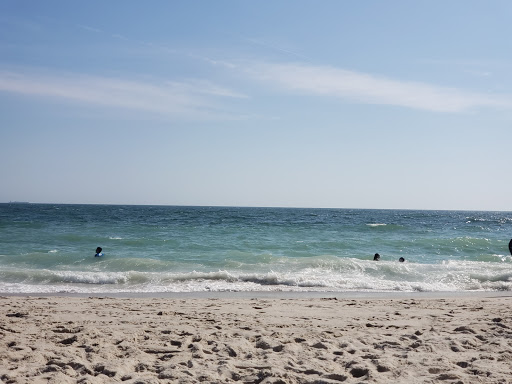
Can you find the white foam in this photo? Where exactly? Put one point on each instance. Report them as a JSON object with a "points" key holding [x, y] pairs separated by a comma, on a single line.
{"points": [[321, 274]]}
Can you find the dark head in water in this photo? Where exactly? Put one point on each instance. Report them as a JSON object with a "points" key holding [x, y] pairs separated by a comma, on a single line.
{"points": [[376, 257], [401, 259], [98, 250]]}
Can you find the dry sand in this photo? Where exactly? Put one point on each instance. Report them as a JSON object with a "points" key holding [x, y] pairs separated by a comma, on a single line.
{"points": [[159, 340]]}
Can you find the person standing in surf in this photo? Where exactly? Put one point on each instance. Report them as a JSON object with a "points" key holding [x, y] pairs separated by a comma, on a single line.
{"points": [[98, 252]]}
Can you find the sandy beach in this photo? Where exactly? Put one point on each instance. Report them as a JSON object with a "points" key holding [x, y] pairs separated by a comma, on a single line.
{"points": [[262, 340]]}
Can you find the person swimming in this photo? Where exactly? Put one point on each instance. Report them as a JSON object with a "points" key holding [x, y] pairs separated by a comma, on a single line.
{"points": [[510, 246], [376, 257], [98, 252], [401, 259]]}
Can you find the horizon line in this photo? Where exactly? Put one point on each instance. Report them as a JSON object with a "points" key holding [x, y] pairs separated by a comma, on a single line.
{"points": [[255, 206]]}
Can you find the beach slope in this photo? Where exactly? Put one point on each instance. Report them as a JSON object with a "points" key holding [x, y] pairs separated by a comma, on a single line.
{"points": [[277, 340]]}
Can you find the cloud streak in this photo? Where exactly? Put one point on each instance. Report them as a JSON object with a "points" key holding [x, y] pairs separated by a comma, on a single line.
{"points": [[195, 98], [370, 89], [200, 99], [89, 29]]}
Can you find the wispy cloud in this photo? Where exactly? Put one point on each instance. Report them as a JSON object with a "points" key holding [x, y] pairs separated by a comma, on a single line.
{"points": [[120, 37], [277, 48], [372, 89], [88, 28], [195, 98], [205, 99], [476, 73], [204, 87]]}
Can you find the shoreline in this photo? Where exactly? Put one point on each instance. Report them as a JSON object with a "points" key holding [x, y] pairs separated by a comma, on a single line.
{"points": [[271, 295]]}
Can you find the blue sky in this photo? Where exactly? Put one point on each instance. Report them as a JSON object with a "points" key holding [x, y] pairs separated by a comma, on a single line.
{"points": [[350, 104]]}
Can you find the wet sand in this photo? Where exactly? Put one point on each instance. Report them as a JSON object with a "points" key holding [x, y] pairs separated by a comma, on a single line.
{"points": [[259, 340]]}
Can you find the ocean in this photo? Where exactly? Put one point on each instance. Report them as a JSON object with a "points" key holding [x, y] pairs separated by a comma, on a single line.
{"points": [[49, 248]]}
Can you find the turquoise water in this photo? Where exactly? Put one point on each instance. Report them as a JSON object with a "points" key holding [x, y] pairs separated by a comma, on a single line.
{"points": [[50, 248]]}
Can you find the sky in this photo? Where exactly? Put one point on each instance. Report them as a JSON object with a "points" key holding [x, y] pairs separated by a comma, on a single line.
{"points": [[339, 104]]}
